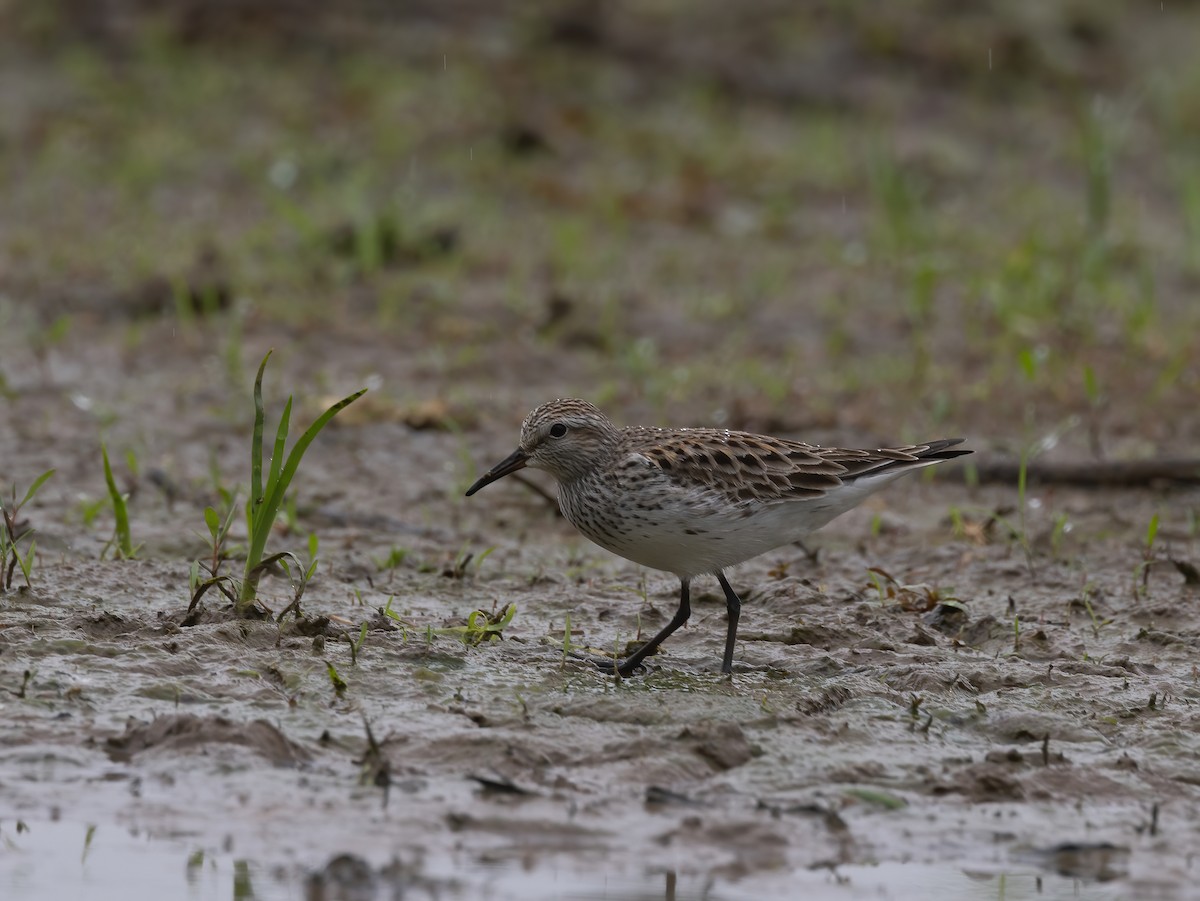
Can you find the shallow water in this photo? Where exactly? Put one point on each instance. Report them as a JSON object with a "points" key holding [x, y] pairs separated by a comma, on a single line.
{"points": [[46, 859]]}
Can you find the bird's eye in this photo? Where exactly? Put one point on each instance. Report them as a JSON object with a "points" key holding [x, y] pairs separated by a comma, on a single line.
{"points": [[558, 430]]}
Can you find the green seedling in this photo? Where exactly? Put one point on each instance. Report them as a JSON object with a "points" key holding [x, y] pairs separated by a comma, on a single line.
{"points": [[357, 643], [958, 525], [1062, 525], [1023, 534], [914, 598], [266, 496], [458, 568], [481, 626], [26, 561], [876, 797], [243, 885], [566, 642], [87, 842], [878, 583], [395, 617], [1141, 573], [90, 509], [876, 525], [122, 539], [1085, 597], [302, 576], [338, 683], [12, 534], [394, 558], [206, 574]]}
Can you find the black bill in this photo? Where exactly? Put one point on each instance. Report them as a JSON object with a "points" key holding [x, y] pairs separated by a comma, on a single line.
{"points": [[514, 461]]}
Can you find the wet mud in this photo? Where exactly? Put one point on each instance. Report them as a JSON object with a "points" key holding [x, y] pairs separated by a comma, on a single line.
{"points": [[968, 687], [960, 710]]}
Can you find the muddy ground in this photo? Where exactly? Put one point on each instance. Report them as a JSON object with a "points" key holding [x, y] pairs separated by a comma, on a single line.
{"points": [[852, 235]]}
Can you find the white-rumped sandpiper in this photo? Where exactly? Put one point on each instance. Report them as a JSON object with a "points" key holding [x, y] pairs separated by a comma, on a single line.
{"points": [[696, 501]]}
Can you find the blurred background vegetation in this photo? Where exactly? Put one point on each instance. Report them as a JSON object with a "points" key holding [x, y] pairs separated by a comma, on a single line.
{"points": [[839, 219]]}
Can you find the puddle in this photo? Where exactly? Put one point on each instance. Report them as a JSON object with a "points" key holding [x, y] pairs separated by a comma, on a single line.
{"points": [[63, 859]]}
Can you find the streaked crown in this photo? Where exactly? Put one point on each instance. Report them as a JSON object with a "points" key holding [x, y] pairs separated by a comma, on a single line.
{"points": [[568, 438]]}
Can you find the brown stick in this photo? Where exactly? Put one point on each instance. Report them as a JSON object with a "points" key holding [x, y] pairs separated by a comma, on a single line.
{"points": [[1093, 473], [539, 491]]}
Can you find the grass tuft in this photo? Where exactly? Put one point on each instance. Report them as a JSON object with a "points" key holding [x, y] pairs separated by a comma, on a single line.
{"points": [[122, 539], [12, 534], [266, 496]]}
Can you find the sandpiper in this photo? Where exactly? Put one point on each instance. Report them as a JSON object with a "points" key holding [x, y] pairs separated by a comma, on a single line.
{"points": [[696, 501]]}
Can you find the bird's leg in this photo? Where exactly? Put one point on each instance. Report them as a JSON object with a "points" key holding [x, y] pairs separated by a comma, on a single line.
{"points": [[634, 660], [734, 605]]}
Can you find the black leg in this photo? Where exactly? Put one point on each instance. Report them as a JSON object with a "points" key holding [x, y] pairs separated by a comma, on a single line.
{"points": [[634, 660], [734, 605]]}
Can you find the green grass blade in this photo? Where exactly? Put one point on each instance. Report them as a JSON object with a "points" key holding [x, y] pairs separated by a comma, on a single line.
{"points": [[267, 499], [213, 520], [256, 486], [120, 511], [275, 496], [37, 483], [280, 446]]}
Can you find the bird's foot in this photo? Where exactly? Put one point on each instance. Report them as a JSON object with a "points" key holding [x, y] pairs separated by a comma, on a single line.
{"points": [[612, 666]]}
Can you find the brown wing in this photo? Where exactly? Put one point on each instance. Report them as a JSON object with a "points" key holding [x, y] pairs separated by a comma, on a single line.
{"points": [[748, 467]]}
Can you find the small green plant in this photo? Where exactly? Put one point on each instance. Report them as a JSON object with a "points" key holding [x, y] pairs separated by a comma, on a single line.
{"points": [[1141, 572], [357, 643], [87, 842], [1023, 534], [206, 574], [262, 508], [12, 534], [566, 642], [1062, 525], [481, 626], [391, 614], [122, 539], [1085, 597], [458, 568], [918, 597], [338, 683], [266, 496], [90, 508], [392, 559], [958, 523], [303, 574], [873, 574]]}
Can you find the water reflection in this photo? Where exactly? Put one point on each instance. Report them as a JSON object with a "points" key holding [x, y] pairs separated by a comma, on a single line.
{"points": [[60, 860]]}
